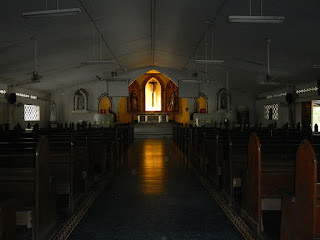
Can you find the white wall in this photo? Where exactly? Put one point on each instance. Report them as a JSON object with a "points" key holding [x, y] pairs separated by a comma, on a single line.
{"points": [[14, 113], [283, 111], [64, 100], [3, 106], [283, 106]]}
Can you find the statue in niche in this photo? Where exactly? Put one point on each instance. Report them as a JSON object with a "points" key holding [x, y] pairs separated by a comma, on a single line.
{"points": [[224, 101], [53, 113], [172, 101], [134, 101], [80, 101]]}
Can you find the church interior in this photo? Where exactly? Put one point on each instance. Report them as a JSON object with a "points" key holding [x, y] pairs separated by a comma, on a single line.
{"points": [[151, 119]]}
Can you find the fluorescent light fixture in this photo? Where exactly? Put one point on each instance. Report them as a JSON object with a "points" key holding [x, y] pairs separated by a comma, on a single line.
{"points": [[316, 66], [267, 83], [209, 61], [53, 13], [256, 19], [97, 62], [190, 80]]}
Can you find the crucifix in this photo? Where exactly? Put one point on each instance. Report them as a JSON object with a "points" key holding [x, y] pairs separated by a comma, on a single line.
{"points": [[153, 88]]}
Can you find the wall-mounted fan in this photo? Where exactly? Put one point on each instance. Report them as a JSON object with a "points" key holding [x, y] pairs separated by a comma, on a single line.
{"points": [[268, 78]]}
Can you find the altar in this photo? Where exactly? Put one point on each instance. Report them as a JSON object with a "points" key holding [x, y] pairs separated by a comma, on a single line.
{"points": [[153, 118]]}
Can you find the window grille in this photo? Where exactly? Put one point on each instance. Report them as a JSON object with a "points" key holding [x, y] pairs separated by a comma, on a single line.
{"points": [[31, 113], [271, 111]]}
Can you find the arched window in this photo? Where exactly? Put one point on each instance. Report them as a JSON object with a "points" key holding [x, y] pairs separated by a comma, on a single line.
{"points": [[80, 100]]}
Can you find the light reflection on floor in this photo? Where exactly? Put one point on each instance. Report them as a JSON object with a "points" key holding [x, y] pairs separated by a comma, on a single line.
{"points": [[152, 169], [155, 197]]}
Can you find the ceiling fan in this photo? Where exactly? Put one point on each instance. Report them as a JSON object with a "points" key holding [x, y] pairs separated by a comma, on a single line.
{"points": [[35, 78], [268, 78]]}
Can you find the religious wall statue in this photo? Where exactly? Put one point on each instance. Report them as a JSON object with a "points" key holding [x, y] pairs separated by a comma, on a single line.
{"points": [[172, 101], [223, 99], [172, 95], [80, 100], [53, 113], [134, 101]]}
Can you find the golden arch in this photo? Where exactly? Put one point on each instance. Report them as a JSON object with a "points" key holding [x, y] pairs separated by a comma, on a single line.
{"points": [[201, 104], [104, 104]]}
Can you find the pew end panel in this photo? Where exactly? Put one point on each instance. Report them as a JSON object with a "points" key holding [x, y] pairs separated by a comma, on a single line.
{"points": [[8, 219], [299, 212], [45, 202], [251, 190], [28, 182]]}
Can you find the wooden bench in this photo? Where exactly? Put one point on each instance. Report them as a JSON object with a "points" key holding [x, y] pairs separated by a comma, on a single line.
{"points": [[301, 210], [235, 162], [267, 179], [24, 175], [194, 145], [212, 153], [66, 167], [8, 219]]}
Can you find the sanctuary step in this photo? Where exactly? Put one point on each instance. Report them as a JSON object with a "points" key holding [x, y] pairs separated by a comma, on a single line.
{"points": [[153, 130]]}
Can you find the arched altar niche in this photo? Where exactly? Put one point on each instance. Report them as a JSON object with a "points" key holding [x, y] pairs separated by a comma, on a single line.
{"points": [[201, 104], [152, 91], [105, 104], [166, 91], [143, 92]]}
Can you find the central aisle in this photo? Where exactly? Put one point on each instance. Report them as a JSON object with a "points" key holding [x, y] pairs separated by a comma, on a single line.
{"points": [[154, 197]]}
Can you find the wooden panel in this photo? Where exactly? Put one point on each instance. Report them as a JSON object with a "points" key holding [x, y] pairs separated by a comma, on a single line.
{"points": [[251, 192], [276, 184], [8, 219], [299, 215], [305, 190], [45, 214]]}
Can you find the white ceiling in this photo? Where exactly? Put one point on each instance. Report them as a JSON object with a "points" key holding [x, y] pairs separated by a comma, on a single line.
{"points": [[178, 33]]}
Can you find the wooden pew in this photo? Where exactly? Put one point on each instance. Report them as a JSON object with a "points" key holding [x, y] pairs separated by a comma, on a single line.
{"points": [[194, 145], [235, 162], [24, 175], [65, 166], [301, 210], [265, 182], [101, 150], [212, 154], [8, 219]]}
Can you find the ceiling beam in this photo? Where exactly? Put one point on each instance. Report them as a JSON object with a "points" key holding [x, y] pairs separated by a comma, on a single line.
{"points": [[101, 35], [211, 25], [153, 28]]}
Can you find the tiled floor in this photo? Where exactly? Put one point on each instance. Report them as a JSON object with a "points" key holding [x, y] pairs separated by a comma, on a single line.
{"points": [[154, 196]]}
